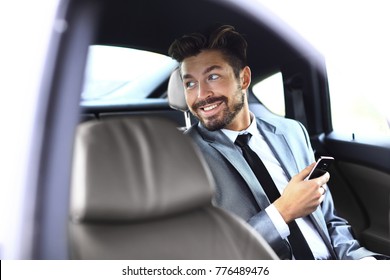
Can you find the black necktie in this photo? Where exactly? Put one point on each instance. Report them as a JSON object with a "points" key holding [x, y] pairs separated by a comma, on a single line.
{"points": [[298, 243]]}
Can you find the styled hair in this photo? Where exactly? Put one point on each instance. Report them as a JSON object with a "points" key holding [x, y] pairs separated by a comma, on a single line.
{"points": [[225, 39]]}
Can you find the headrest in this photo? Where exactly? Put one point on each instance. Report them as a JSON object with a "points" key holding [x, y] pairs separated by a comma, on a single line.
{"points": [[136, 168], [176, 96]]}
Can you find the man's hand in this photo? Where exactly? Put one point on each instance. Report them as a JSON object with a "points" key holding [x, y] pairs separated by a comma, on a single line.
{"points": [[301, 197]]}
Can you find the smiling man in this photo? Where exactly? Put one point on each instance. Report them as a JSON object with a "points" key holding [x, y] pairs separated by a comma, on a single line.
{"points": [[207, 77], [296, 216]]}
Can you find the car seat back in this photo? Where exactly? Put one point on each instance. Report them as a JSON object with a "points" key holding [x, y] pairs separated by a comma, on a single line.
{"points": [[176, 96], [141, 190]]}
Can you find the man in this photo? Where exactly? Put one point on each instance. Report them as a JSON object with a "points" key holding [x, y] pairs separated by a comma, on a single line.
{"points": [[216, 78]]}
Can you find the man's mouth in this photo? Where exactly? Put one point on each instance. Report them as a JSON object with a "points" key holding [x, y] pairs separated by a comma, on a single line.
{"points": [[210, 103], [209, 108]]}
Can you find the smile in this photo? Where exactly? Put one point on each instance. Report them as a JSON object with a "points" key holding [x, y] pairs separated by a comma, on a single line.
{"points": [[210, 107]]}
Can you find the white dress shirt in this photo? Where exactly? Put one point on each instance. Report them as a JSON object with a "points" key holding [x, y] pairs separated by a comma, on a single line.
{"points": [[258, 144]]}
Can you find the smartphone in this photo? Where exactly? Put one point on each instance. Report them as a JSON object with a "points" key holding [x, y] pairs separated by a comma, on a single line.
{"points": [[321, 167]]}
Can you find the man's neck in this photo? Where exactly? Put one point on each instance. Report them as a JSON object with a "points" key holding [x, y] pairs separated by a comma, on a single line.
{"points": [[242, 120]]}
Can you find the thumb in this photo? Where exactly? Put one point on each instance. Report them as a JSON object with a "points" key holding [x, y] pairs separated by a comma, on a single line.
{"points": [[305, 172]]}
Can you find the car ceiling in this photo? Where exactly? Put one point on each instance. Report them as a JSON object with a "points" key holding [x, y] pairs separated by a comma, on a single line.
{"points": [[153, 25]]}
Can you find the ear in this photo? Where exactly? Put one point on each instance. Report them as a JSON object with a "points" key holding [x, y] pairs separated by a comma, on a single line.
{"points": [[245, 78]]}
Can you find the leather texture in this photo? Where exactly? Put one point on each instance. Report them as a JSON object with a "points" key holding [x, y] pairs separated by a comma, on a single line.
{"points": [[141, 190]]}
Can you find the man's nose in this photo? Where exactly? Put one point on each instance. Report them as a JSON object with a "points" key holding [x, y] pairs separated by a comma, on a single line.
{"points": [[204, 91]]}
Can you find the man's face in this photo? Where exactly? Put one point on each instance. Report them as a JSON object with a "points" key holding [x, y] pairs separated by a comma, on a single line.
{"points": [[214, 95]]}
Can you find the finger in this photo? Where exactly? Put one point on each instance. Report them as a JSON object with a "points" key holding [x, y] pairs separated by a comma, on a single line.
{"points": [[324, 178]]}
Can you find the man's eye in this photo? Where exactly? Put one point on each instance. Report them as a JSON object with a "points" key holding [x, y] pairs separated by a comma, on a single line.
{"points": [[190, 84], [213, 77]]}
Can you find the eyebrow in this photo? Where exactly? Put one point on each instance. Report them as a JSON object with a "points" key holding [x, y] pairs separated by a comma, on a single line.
{"points": [[207, 70]]}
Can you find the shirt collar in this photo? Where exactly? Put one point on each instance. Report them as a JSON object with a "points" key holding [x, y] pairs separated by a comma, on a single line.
{"points": [[232, 134]]}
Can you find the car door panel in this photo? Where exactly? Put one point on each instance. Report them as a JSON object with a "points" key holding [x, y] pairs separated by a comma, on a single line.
{"points": [[360, 184]]}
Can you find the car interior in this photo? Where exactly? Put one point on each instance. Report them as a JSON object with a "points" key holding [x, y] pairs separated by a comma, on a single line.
{"points": [[112, 176]]}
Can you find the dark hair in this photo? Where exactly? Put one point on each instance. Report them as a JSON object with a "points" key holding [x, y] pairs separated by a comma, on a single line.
{"points": [[225, 39]]}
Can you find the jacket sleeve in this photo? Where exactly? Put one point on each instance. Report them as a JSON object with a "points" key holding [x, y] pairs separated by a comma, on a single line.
{"points": [[263, 225]]}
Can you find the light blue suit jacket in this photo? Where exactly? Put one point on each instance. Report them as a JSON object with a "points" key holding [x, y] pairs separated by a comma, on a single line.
{"points": [[240, 192]]}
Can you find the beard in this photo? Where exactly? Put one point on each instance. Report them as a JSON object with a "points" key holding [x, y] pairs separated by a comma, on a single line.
{"points": [[223, 119]]}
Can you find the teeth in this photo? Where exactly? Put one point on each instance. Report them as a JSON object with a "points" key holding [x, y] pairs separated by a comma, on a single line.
{"points": [[209, 107]]}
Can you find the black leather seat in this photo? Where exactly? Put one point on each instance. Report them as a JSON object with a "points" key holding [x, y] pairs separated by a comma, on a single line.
{"points": [[141, 190]]}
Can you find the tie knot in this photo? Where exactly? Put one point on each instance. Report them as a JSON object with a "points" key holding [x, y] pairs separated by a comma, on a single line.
{"points": [[243, 139]]}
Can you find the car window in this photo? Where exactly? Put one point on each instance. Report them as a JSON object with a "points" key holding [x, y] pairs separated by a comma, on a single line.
{"points": [[117, 75], [357, 57], [359, 105], [270, 92]]}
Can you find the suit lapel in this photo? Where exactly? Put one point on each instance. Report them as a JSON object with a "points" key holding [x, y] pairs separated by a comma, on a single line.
{"points": [[280, 147], [220, 142]]}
